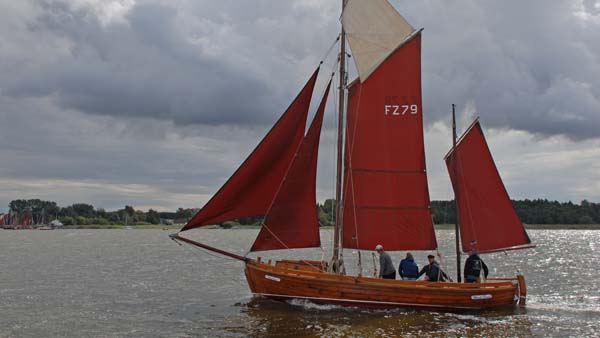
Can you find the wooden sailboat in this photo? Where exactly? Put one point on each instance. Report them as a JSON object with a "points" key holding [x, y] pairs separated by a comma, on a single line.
{"points": [[382, 190]]}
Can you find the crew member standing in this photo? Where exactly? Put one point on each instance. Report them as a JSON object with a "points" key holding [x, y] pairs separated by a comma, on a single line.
{"points": [[432, 271], [473, 267], [386, 268]]}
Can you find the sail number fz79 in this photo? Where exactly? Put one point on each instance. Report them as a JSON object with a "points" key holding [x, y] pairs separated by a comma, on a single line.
{"points": [[400, 106]]}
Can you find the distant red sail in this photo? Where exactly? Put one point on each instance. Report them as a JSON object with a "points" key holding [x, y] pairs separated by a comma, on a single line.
{"points": [[252, 187], [292, 221], [386, 198], [486, 213]]}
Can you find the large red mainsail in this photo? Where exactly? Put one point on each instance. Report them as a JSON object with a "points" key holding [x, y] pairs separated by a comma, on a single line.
{"points": [[486, 213], [252, 187], [386, 198], [292, 220]]}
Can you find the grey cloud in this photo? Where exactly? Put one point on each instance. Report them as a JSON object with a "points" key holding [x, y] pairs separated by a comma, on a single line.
{"points": [[532, 66], [529, 65], [143, 68], [172, 96]]}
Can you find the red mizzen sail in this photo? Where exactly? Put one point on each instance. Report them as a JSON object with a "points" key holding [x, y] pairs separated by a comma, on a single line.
{"points": [[486, 213], [386, 198], [292, 220], [252, 187]]}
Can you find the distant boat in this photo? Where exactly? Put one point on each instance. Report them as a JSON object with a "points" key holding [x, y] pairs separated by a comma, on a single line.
{"points": [[381, 190]]}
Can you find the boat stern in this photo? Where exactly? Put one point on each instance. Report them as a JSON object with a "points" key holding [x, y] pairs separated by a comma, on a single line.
{"points": [[522, 289]]}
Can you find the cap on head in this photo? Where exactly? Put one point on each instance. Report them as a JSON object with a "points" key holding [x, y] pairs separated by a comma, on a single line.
{"points": [[378, 247], [473, 246], [430, 256]]}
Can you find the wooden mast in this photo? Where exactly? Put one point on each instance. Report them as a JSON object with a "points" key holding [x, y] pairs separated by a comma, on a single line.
{"points": [[456, 221], [337, 229]]}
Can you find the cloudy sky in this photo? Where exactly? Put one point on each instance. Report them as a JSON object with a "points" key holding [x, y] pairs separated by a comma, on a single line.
{"points": [[154, 103]]}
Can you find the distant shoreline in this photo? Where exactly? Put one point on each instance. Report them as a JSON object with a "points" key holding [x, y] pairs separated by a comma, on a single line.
{"points": [[437, 227]]}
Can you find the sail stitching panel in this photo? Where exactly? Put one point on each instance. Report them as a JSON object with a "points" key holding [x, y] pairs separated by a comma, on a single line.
{"points": [[385, 161], [486, 212], [467, 200], [503, 187], [292, 218]]}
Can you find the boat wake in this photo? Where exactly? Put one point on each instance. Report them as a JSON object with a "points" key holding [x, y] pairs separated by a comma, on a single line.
{"points": [[307, 304], [564, 307]]}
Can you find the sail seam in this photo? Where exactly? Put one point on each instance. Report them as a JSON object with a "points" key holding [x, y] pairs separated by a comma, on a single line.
{"points": [[392, 207], [423, 172]]}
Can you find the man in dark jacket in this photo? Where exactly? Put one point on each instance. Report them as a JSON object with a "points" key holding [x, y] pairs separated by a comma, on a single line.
{"points": [[473, 267], [432, 271], [386, 268], [408, 269]]}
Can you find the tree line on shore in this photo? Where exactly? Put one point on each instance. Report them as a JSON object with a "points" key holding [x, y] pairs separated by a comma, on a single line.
{"points": [[537, 211]]}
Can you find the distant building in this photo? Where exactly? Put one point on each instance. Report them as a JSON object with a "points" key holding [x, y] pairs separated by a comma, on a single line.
{"points": [[56, 224], [180, 221], [167, 221]]}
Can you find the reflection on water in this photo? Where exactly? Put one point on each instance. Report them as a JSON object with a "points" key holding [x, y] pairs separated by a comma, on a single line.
{"points": [[113, 283], [299, 318]]}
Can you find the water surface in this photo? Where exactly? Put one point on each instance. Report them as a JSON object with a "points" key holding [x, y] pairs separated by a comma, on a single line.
{"points": [[138, 283]]}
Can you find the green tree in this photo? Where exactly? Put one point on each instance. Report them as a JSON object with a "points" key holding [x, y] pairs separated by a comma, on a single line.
{"points": [[83, 209], [152, 217]]}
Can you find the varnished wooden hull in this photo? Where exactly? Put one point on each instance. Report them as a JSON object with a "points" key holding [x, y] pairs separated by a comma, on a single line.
{"points": [[286, 281]]}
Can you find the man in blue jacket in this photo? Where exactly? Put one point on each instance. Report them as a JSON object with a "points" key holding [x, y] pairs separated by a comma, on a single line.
{"points": [[408, 269]]}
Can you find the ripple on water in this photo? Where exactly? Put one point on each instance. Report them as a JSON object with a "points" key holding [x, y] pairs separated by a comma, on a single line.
{"points": [[113, 283]]}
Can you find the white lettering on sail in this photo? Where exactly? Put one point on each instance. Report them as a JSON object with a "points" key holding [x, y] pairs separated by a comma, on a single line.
{"points": [[391, 109], [399, 110]]}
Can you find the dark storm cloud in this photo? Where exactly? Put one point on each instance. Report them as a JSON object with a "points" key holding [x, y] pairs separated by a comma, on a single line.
{"points": [[156, 102], [532, 65], [142, 67]]}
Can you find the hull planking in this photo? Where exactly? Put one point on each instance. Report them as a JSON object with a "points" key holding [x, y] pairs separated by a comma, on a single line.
{"points": [[288, 280]]}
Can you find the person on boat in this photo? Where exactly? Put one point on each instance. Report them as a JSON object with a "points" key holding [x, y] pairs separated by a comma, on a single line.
{"points": [[473, 267], [432, 271], [408, 269], [386, 268]]}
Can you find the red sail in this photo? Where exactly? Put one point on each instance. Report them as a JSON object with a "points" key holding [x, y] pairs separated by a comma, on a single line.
{"points": [[251, 189], [292, 220], [486, 213], [386, 198]]}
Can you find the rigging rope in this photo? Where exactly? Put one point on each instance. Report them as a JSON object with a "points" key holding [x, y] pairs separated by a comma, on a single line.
{"points": [[437, 251], [336, 121], [337, 39]]}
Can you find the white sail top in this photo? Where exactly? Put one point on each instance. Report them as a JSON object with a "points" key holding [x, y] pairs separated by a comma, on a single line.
{"points": [[374, 29]]}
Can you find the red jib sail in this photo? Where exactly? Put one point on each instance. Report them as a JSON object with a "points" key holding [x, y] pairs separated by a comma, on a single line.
{"points": [[386, 198], [486, 213], [251, 189], [292, 220]]}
